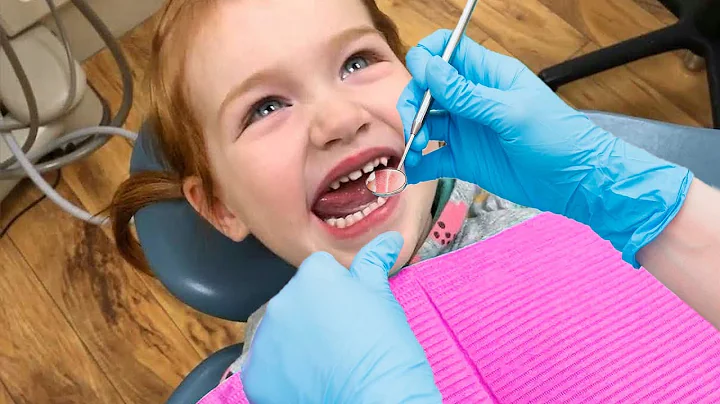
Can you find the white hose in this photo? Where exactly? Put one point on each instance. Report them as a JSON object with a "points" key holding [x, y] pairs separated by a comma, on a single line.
{"points": [[82, 134], [46, 188]]}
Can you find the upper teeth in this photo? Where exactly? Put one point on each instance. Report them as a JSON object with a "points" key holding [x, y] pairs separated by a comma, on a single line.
{"points": [[369, 167]]}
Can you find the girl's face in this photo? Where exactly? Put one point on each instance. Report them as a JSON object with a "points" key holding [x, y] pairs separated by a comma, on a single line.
{"points": [[297, 100]]}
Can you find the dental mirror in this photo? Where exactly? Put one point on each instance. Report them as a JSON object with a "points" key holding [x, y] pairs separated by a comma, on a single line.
{"points": [[386, 182], [391, 181]]}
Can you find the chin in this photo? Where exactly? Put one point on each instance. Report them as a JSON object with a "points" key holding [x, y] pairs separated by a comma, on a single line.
{"points": [[345, 251]]}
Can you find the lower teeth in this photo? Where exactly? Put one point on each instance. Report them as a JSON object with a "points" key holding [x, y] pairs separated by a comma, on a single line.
{"points": [[353, 218]]}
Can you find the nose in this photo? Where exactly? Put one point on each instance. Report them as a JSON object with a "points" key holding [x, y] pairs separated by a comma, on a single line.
{"points": [[337, 120]]}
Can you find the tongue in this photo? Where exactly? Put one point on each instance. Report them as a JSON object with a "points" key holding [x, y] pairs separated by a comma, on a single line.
{"points": [[346, 200]]}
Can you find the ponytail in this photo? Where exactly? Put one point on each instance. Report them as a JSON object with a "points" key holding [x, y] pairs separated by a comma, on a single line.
{"points": [[138, 191]]}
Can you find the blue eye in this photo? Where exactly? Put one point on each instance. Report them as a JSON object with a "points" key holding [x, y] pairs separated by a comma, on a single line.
{"points": [[265, 108], [354, 64]]}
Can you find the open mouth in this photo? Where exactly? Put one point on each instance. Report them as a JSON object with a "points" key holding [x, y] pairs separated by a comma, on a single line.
{"points": [[344, 199]]}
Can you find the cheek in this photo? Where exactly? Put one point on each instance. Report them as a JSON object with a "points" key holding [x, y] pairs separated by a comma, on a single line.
{"points": [[385, 95], [266, 188]]}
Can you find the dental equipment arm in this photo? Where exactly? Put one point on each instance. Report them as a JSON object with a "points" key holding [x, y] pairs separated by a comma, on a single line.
{"points": [[685, 257], [507, 132], [95, 136], [92, 141]]}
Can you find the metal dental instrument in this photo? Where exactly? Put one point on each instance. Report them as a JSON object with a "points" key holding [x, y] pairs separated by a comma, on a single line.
{"points": [[391, 181]]}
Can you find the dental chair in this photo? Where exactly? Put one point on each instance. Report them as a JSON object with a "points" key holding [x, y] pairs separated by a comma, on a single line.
{"points": [[229, 280]]}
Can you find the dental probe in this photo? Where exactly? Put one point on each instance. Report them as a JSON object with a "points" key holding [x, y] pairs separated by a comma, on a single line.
{"points": [[390, 181]]}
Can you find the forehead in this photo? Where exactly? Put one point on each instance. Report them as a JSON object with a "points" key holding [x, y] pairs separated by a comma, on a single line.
{"points": [[244, 36]]}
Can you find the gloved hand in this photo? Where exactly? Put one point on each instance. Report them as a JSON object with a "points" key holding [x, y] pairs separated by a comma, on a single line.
{"points": [[507, 132], [338, 336]]}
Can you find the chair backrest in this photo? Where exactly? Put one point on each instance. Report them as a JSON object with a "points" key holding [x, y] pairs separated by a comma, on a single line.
{"points": [[198, 264], [217, 276], [695, 148]]}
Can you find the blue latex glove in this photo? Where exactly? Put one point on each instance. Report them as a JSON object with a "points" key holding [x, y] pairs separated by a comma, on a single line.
{"points": [[338, 336], [507, 132]]}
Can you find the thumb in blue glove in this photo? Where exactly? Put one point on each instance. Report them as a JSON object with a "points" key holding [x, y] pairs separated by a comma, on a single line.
{"points": [[334, 335]]}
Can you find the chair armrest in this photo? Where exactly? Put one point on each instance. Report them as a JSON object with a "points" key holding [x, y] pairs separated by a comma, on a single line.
{"points": [[206, 376]]}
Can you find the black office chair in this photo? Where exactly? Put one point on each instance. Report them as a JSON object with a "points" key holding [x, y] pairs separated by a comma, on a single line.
{"points": [[697, 30], [214, 275]]}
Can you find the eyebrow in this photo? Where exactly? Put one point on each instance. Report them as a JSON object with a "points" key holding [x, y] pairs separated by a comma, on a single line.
{"points": [[335, 42]]}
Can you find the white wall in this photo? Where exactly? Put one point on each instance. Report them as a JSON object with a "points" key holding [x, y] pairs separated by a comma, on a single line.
{"points": [[120, 16]]}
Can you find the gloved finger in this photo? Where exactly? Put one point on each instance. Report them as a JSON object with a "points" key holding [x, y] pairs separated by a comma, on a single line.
{"points": [[435, 127], [412, 159], [488, 68], [472, 60], [320, 265], [374, 261], [464, 98], [407, 107], [417, 57], [434, 165]]}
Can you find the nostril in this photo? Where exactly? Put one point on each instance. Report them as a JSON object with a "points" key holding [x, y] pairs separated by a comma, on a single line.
{"points": [[364, 127], [332, 142]]}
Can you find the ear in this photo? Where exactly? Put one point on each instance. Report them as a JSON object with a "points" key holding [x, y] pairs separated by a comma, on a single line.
{"points": [[215, 212]]}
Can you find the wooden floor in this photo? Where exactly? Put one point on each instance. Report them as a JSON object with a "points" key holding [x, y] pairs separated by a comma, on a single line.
{"points": [[79, 326]]}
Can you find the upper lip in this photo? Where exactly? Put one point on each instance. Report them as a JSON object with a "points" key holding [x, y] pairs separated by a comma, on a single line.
{"points": [[349, 164]]}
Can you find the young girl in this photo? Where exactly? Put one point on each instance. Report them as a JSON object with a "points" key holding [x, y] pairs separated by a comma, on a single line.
{"points": [[272, 114]]}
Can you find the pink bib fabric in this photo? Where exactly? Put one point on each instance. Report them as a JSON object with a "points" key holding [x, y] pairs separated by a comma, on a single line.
{"points": [[547, 312]]}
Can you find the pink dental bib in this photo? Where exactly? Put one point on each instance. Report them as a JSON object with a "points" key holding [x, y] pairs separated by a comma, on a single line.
{"points": [[546, 312]]}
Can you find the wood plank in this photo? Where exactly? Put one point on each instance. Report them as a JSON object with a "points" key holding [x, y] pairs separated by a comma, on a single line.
{"points": [[620, 90], [21, 197], [617, 90], [42, 360], [494, 46], [610, 21], [417, 19], [606, 21], [206, 333], [659, 11], [128, 333], [95, 178], [5, 396], [529, 30]]}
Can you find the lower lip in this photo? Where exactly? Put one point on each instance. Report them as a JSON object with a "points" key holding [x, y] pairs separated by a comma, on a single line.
{"points": [[368, 223]]}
